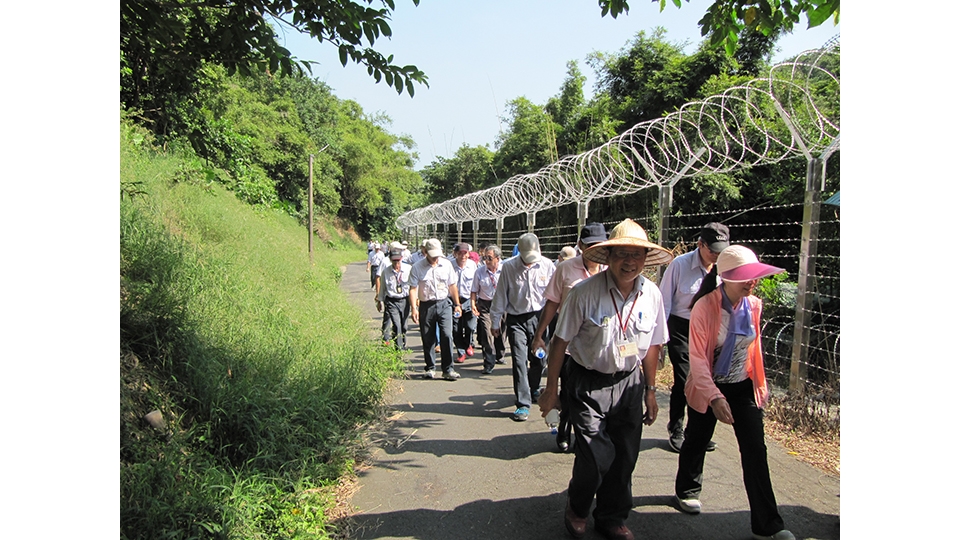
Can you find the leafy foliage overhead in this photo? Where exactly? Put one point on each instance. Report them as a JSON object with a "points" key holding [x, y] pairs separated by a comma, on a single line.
{"points": [[238, 33], [726, 19]]}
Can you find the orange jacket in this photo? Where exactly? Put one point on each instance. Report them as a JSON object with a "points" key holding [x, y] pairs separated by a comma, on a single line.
{"points": [[704, 327]]}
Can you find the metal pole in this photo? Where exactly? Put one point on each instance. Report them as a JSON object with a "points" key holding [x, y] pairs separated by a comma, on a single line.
{"points": [[476, 232], [531, 220], [806, 281], [500, 233], [310, 212], [583, 210], [459, 232], [666, 203]]}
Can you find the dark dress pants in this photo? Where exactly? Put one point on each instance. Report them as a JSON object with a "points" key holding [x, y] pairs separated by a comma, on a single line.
{"points": [[464, 328], [765, 519], [606, 412], [527, 368], [437, 316], [679, 349], [395, 311], [493, 347]]}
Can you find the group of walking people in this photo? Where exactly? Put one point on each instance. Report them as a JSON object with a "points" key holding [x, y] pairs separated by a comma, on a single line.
{"points": [[603, 325]]}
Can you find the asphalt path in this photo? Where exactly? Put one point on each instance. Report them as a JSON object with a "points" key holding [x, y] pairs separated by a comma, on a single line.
{"points": [[451, 464]]}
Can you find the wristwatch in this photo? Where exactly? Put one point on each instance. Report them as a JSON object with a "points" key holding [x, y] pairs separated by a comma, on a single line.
{"points": [[651, 387]]}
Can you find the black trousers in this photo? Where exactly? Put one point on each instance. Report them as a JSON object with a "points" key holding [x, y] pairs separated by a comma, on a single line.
{"points": [[437, 315], [679, 349], [765, 519], [606, 412], [464, 327], [395, 311]]}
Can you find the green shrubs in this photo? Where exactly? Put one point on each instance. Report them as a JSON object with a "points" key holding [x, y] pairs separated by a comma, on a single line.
{"points": [[259, 366]]}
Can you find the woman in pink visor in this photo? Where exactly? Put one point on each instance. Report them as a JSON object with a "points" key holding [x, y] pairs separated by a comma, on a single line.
{"points": [[727, 383]]}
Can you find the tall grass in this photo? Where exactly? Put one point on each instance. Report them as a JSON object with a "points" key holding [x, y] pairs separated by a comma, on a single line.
{"points": [[257, 362]]}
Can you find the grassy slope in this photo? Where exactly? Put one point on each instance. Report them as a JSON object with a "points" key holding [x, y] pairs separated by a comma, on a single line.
{"points": [[251, 354]]}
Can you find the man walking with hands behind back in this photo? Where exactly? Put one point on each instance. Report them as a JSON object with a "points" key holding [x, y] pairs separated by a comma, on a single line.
{"points": [[613, 326], [680, 282]]}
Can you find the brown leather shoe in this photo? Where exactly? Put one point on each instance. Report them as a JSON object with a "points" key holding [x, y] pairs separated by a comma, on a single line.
{"points": [[616, 533], [576, 525]]}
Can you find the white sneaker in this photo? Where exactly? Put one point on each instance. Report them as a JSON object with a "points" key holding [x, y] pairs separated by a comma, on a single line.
{"points": [[429, 374], [782, 535], [690, 506], [451, 375]]}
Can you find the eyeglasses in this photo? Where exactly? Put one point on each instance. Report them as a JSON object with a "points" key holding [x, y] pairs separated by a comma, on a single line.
{"points": [[623, 254], [489, 258]]}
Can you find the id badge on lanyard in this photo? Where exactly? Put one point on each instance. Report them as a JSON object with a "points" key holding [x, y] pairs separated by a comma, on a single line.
{"points": [[626, 348]]}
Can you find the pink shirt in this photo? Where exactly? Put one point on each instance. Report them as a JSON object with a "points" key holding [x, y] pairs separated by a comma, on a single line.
{"points": [[568, 273], [704, 327]]}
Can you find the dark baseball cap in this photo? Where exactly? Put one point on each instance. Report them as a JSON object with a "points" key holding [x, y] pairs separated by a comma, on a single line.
{"points": [[716, 236], [593, 233]]}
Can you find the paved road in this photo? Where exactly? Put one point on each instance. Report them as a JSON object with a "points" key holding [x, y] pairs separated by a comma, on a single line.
{"points": [[452, 465]]}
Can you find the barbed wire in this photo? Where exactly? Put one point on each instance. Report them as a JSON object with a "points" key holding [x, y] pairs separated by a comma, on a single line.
{"points": [[792, 111]]}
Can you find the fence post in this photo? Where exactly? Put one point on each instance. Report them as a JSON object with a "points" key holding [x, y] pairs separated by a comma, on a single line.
{"points": [[583, 209], [500, 232], [666, 203], [310, 213], [806, 280], [476, 232], [459, 232], [531, 220]]}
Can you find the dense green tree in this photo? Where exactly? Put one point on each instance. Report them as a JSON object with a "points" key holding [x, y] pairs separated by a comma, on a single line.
{"points": [[529, 143], [164, 43], [469, 170], [378, 182]]}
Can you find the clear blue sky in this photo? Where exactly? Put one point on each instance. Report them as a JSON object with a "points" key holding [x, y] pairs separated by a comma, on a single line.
{"points": [[479, 55]]}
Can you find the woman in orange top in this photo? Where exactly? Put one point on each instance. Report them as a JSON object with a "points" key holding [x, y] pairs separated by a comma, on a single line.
{"points": [[727, 383]]}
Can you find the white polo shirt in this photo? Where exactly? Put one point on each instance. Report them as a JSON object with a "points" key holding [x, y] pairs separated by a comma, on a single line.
{"points": [[432, 282]]}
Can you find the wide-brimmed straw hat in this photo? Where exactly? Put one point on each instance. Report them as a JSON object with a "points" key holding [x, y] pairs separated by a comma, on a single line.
{"points": [[739, 263], [628, 233]]}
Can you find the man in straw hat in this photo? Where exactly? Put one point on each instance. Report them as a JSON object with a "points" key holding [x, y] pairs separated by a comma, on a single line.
{"points": [[613, 326]]}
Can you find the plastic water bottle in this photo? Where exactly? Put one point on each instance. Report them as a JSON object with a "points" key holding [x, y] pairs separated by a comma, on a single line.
{"points": [[540, 353], [553, 420]]}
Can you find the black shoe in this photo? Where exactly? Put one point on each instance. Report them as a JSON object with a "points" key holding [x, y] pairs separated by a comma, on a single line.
{"points": [[675, 440], [711, 446]]}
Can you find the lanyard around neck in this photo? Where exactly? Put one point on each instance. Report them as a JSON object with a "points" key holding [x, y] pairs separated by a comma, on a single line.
{"points": [[623, 325]]}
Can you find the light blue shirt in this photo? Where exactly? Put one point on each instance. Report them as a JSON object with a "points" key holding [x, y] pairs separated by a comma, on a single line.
{"points": [[680, 283], [520, 288]]}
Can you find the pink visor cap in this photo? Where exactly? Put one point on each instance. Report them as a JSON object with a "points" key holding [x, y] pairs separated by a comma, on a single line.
{"points": [[739, 263]]}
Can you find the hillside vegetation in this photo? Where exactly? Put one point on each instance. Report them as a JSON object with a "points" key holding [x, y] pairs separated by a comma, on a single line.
{"points": [[252, 356]]}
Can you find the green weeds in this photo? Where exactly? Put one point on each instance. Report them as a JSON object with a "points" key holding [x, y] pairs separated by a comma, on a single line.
{"points": [[253, 356]]}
